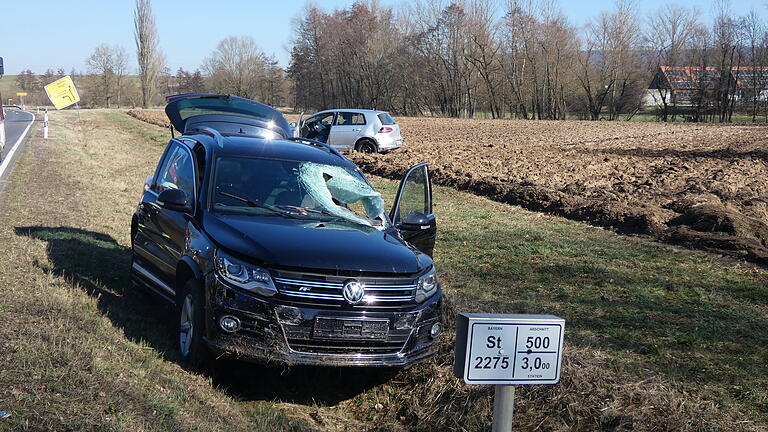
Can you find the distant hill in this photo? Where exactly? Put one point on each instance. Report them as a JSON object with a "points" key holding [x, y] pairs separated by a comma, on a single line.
{"points": [[8, 88]]}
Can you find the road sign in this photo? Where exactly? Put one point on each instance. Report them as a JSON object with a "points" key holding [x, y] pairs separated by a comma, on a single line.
{"points": [[509, 349], [62, 92], [21, 94], [2, 68]]}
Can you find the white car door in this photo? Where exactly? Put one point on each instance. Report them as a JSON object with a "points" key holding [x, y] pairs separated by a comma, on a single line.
{"points": [[346, 130]]}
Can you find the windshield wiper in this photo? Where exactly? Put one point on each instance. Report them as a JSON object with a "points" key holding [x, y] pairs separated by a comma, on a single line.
{"points": [[252, 203], [326, 213]]}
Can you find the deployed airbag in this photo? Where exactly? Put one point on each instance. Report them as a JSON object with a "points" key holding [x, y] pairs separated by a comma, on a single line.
{"points": [[324, 183]]}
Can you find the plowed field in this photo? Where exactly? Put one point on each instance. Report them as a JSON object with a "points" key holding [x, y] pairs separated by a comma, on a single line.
{"points": [[704, 186]]}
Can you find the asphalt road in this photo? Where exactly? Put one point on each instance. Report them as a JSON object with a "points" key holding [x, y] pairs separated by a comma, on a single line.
{"points": [[16, 124]]}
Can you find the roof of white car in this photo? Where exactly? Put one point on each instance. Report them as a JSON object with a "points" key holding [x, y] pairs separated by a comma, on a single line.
{"points": [[357, 110]]}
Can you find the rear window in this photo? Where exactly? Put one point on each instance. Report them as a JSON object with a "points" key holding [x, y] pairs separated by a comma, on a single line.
{"points": [[350, 119], [386, 119], [201, 106]]}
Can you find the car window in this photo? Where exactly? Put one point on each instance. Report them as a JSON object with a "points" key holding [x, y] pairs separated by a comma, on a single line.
{"points": [[177, 172], [415, 194], [350, 119], [386, 119], [326, 120]]}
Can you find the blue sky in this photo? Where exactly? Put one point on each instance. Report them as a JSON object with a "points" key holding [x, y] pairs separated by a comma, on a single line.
{"points": [[47, 33]]}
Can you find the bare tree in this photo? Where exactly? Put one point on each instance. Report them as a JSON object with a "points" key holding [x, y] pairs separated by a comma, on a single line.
{"points": [[120, 69], [610, 66], [754, 36], [238, 66], [727, 56], [484, 48], [102, 64], [147, 49]]}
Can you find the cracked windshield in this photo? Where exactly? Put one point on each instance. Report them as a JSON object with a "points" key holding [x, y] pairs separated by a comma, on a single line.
{"points": [[294, 189]]}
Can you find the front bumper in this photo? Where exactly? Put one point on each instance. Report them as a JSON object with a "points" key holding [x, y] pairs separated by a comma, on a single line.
{"points": [[275, 332]]}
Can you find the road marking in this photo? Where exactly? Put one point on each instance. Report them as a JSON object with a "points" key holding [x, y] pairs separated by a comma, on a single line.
{"points": [[7, 161]]}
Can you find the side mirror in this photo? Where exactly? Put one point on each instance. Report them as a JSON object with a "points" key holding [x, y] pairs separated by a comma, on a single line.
{"points": [[293, 124], [416, 221], [148, 183], [174, 199]]}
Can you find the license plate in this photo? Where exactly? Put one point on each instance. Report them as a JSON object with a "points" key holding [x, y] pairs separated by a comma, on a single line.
{"points": [[336, 328]]}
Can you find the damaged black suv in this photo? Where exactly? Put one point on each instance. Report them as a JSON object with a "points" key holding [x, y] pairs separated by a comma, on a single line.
{"points": [[278, 249]]}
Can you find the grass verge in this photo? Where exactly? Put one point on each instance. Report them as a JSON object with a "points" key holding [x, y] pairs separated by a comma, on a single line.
{"points": [[79, 350]]}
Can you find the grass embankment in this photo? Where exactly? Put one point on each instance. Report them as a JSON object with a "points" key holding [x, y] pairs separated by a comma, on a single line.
{"points": [[78, 350], [657, 338]]}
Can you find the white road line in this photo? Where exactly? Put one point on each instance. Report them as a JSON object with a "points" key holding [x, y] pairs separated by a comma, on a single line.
{"points": [[7, 161]]}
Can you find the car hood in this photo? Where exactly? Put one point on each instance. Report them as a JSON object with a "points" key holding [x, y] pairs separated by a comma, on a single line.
{"points": [[314, 244]]}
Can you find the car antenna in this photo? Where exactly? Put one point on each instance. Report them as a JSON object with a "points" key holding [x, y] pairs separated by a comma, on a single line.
{"points": [[212, 132]]}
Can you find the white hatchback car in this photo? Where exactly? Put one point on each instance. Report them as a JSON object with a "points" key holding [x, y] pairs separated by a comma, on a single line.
{"points": [[366, 131]]}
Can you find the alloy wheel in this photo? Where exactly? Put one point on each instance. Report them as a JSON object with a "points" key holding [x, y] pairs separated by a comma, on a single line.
{"points": [[186, 325]]}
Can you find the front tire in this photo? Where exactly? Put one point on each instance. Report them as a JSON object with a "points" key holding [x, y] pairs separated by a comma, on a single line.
{"points": [[191, 318]]}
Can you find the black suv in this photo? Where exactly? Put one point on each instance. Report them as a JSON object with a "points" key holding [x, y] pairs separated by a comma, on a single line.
{"points": [[277, 249]]}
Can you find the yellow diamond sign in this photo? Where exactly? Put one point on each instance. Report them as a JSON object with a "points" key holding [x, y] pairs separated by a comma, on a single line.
{"points": [[62, 92]]}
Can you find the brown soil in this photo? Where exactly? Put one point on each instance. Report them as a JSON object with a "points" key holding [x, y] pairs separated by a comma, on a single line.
{"points": [[155, 117], [702, 186]]}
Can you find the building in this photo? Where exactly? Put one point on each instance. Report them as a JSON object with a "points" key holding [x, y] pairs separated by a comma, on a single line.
{"points": [[682, 86], [688, 86]]}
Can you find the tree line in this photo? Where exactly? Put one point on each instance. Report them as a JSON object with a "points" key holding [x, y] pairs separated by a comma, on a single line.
{"points": [[463, 58], [524, 59]]}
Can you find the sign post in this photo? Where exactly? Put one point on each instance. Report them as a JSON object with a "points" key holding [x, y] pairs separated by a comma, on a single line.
{"points": [[21, 96], [507, 350]]}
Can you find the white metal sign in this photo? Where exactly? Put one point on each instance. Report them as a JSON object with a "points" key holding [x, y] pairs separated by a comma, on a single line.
{"points": [[509, 349]]}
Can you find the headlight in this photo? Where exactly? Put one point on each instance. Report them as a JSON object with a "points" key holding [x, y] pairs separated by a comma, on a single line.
{"points": [[426, 286], [244, 275]]}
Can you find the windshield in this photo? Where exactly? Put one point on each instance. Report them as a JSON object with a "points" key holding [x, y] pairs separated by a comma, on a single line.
{"points": [[295, 189]]}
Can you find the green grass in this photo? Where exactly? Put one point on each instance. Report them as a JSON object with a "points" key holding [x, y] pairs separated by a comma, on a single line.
{"points": [[657, 338], [676, 310], [650, 116], [153, 136], [696, 320]]}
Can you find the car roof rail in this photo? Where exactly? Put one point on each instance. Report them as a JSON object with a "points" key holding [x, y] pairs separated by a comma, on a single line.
{"points": [[212, 132], [316, 144]]}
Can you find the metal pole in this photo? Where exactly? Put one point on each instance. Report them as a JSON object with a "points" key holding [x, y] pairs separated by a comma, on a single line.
{"points": [[503, 408]]}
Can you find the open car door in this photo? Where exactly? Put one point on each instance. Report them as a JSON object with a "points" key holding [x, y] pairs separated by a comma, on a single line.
{"points": [[412, 210]]}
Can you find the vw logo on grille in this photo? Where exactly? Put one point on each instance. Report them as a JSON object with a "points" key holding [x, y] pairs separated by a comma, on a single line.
{"points": [[353, 292]]}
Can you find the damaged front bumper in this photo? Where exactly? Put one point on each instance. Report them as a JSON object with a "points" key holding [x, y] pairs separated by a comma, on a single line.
{"points": [[274, 331]]}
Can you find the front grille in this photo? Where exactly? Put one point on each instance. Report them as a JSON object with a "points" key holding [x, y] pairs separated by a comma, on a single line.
{"points": [[326, 290], [345, 346]]}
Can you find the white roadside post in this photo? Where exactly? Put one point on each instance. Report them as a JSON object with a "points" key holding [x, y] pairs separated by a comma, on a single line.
{"points": [[507, 350], [45, 124]]}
